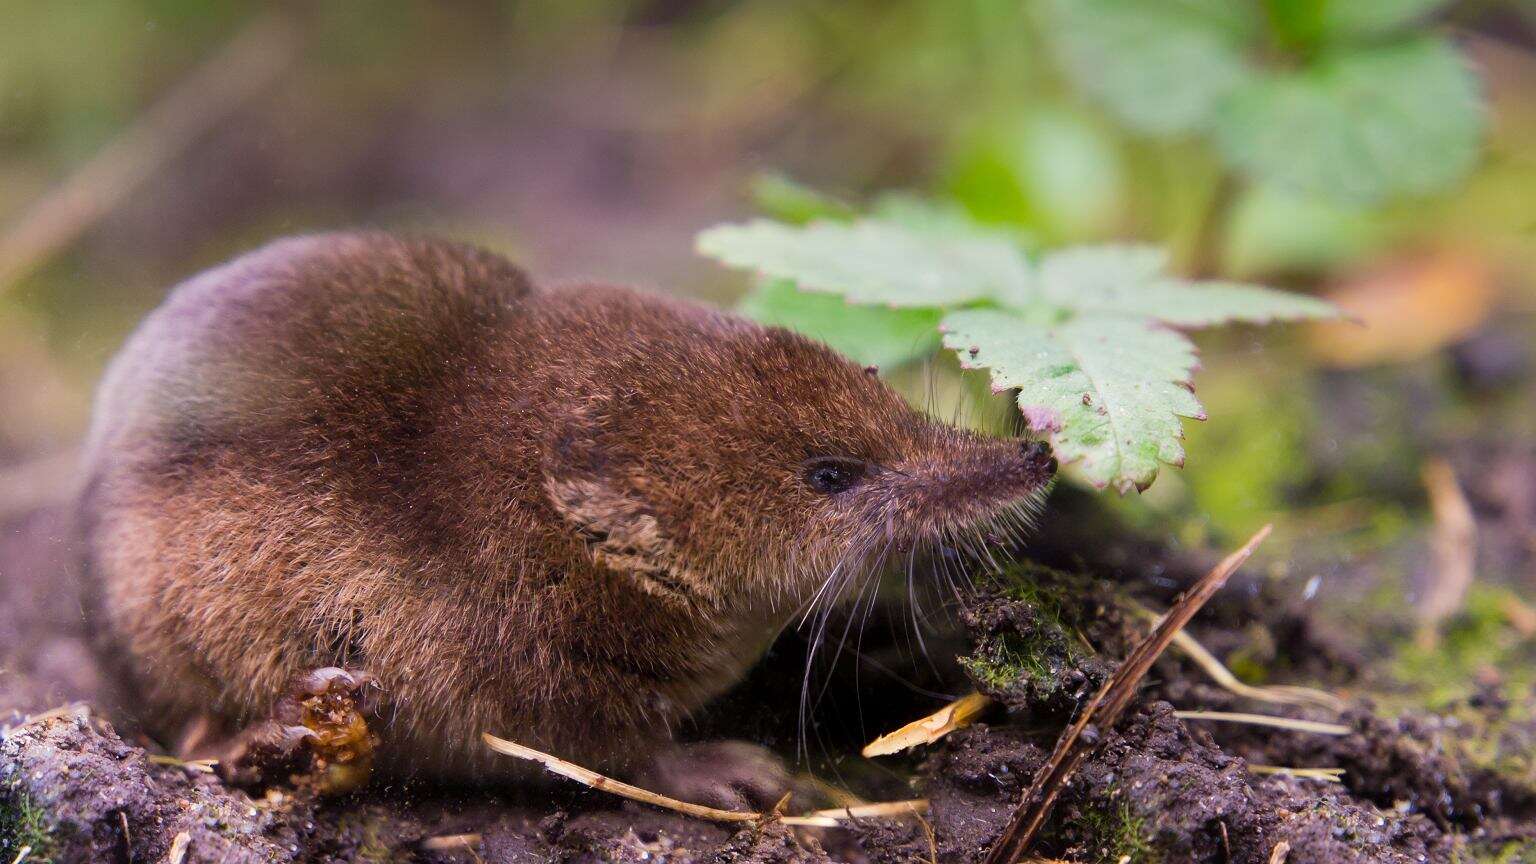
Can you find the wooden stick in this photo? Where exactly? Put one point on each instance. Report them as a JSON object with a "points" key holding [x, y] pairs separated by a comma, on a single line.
{"points": [[1453, 545], [1280, 695], [246, 65], [879, 810], [1105, 710], [1330, 775], [833, 818], [179, 845], [449, 842], [1266, 720], [588, 777]]}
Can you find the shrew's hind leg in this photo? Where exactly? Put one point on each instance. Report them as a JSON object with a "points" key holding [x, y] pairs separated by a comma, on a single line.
{"points": [[317, 737], [731, 775]]}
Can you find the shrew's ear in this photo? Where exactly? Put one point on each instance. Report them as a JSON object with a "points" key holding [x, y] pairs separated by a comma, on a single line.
{"points": [[584, 481]]}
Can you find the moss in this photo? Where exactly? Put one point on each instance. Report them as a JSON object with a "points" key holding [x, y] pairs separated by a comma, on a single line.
{"points": [[1477, 641], [364, 832], [1025, 639], [1253, 455], [1513, 852], [23, 825], [1114, 833]]}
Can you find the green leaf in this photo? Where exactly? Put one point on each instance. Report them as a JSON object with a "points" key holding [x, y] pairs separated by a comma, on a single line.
{"points": [[1107, 390], [1397, 119], [1162, 67], [868, 335], [1130, 281], [1279, 230], [1297, 25], [788, 200], [931, 217], [1048, 168], [1367, 17], [876, 262]]}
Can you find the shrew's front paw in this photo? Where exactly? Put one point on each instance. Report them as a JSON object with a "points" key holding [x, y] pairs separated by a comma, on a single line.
{"points": [[730, 775], [317, 737]]}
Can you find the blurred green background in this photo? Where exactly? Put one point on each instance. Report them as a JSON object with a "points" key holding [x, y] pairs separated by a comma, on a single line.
{"points": [[1380, 153]]}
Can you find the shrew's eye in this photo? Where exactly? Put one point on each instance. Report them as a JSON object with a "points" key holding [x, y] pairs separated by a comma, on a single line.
{"points": [[831, 475]]}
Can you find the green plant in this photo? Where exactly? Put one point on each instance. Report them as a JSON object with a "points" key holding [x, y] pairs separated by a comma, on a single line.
{"points": [[1089, 336], [24, 825], [1351, 99]]}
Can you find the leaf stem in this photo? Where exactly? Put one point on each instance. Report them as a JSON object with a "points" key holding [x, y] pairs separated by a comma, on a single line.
{"points": [[1207, 251]]}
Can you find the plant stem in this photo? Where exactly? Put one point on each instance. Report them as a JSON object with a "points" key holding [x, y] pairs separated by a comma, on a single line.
{"points": [[1210, 241]]}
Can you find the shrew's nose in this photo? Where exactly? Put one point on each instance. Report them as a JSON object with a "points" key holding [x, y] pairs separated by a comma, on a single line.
{"points": [[1037, 454]]}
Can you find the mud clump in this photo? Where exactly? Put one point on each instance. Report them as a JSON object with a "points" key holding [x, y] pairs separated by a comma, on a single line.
{"points": [[74, 791], [1037, 638]]}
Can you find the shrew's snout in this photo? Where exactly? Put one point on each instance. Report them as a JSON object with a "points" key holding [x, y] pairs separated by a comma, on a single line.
{"points": [[970, 477], [1039, 458]]}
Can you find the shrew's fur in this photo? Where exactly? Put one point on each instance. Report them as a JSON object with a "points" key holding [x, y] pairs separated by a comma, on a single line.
{"points": [[571, 515]]}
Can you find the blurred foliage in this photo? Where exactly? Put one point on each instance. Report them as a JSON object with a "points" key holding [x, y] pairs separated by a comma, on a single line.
{"points": [[1339, 98]]}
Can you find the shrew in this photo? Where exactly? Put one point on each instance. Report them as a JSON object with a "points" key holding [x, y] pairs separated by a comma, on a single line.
{"points": [[570, 515]]}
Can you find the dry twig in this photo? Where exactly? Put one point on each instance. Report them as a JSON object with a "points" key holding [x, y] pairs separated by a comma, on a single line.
{"points": [[1105, 710], [1266, 720], [1454, 546], [1283, 694], [201, 766], [1520, 615], [449, 842], [1330, 775], [833, 818], [879, 810], [1278, 854], [588, 777], [179, 845]]}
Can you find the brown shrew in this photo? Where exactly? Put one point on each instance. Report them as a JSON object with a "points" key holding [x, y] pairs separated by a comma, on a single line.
{"points": [[567, 515]]}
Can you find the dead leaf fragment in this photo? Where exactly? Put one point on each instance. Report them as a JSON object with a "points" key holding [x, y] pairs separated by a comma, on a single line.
{"points": [[956, 715], [1405, 309]]}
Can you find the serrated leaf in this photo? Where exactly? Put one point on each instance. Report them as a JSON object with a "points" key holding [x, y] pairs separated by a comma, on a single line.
{"points": [[926, 216], [1162, 67], [868, 335], [876, 262], [1130, 281], [1396, 119], [1108, 391]]}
